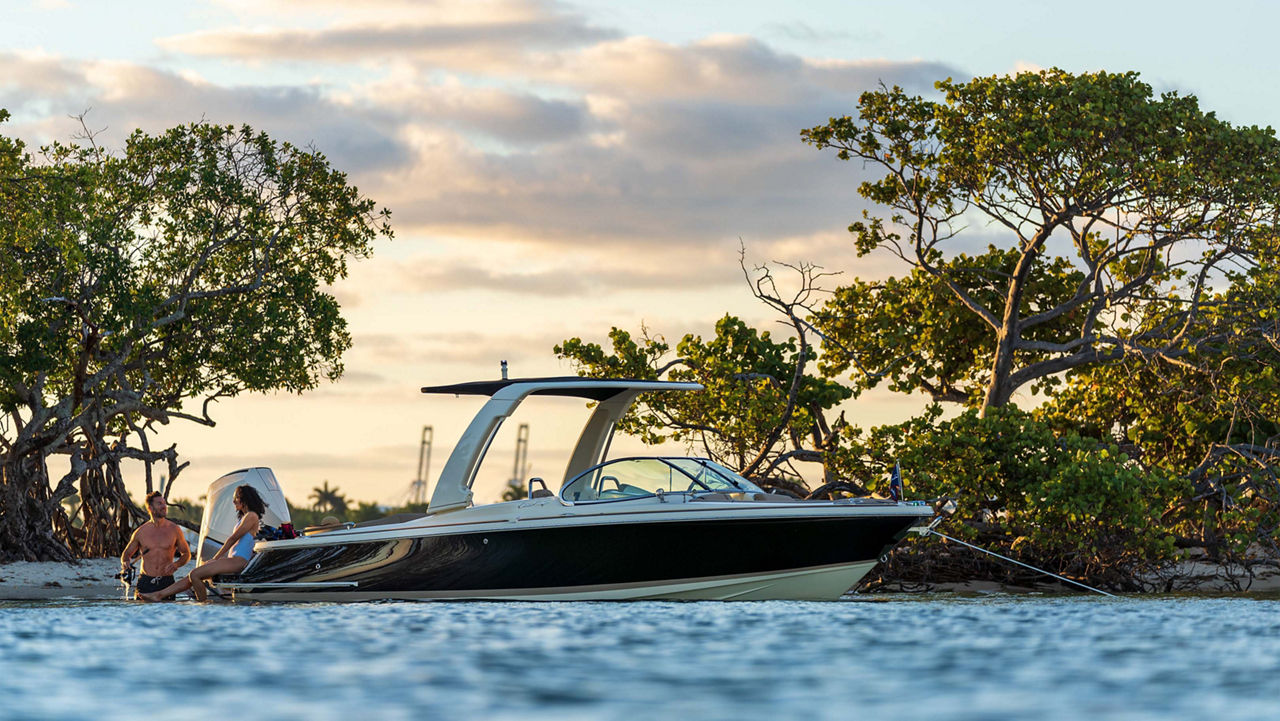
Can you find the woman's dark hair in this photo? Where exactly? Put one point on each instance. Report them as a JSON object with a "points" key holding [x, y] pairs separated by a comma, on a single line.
{"points": [[248, 495]]}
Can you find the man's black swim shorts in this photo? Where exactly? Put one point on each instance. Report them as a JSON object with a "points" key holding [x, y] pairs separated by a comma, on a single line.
{"points": [[151, 584]]}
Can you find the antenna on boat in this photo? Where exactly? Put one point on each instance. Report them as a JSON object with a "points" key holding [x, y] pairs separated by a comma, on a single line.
{"points": [[504, 370]]}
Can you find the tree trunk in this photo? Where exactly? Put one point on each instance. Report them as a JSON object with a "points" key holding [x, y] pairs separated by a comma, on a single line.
{"points": [[1000, 386], [27, 521], [105, 508], [35, 527]]}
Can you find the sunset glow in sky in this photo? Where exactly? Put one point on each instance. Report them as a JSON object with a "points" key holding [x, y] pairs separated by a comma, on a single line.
{"points": [[556, 168]]}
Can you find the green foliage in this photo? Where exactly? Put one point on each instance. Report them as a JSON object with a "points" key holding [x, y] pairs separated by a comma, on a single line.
{"points": [[188, 510], [1061, 501], [629, 359], [1219, 428], [915, 334], [1216, 424], [747, 375], [365, 511], [328, 500], [1173, 416], [353, 512], [195, 263], [140, 286], [1116, 205], [302, 516], [515, 491], [192, 265]]}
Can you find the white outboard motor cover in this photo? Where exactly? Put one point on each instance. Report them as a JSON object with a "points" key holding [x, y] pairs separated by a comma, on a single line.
{"points": [[220, 518]]}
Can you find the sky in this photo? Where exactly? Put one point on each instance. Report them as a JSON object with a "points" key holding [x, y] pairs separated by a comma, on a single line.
{"points": [[555, 169]]}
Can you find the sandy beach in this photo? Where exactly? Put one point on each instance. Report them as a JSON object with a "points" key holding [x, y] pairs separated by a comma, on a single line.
{"points": [[91, 578]]}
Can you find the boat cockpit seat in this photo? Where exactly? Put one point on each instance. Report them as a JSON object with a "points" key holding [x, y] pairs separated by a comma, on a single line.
{"points": [[387, 520], [774, 497], [324, 527], [541, 493]]}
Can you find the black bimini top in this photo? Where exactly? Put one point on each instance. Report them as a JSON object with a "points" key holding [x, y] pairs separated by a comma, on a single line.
{"points": [[596, 389]]}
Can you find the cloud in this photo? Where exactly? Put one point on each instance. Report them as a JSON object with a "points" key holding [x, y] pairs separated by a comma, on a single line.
{"points": [[33, 79], [666, 145], [678, 176], [470, 348], [462, 36], [725, 68], [512, 117], [469, 45], [628, 145], [429, 275], [43, 91]]}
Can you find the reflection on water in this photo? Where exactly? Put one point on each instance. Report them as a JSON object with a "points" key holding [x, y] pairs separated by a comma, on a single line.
{"points": [[941, 658]]}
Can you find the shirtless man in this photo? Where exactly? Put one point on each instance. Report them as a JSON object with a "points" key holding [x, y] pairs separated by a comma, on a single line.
{"points": [[158, 540]]}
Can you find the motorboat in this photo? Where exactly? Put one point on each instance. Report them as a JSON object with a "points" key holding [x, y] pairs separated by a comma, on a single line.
{"points": [[626, 528]]}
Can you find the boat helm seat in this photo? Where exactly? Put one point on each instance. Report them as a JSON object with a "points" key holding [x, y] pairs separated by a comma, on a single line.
{"points": [[542, 492]]}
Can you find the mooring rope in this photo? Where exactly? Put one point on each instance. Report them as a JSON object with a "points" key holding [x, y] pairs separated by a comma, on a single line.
{"points": [[930, 529]]}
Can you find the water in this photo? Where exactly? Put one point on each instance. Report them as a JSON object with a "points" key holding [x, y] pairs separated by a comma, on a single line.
{"points": [[937, 658]]}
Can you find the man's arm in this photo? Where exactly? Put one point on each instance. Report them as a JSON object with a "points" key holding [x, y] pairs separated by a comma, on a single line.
{"points": [[130, 551], [184, 552]]}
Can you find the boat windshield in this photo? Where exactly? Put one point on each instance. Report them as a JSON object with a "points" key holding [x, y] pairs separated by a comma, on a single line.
{"points": [[639, 477]]}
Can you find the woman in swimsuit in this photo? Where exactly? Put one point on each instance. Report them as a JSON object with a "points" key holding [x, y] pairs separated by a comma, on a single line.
{"points": [[234, 554]]}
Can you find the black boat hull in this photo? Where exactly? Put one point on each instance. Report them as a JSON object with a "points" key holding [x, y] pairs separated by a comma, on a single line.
{"points": [[738, 558]]}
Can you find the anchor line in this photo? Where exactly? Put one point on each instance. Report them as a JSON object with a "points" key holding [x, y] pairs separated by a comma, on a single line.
{"points": [[930, 529]]}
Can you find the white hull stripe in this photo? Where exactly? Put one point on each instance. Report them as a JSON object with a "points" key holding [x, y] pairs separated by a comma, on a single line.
{"points": [[822, 583]]}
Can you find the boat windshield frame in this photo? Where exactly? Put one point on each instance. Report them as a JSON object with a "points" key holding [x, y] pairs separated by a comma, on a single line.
{"points": [[596, 480]]}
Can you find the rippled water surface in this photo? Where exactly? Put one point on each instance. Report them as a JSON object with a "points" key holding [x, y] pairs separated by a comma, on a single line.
{"points": [[938, 658]]}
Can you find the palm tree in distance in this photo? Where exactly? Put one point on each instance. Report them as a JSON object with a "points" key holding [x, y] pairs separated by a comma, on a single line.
{"points": [[328, 499]]}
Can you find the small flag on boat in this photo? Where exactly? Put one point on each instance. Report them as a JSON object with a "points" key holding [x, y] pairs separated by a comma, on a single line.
{"points": [[895, 482]]}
